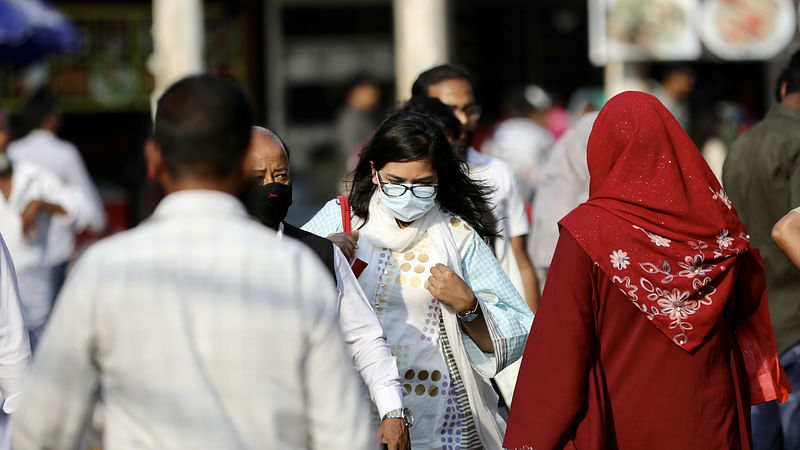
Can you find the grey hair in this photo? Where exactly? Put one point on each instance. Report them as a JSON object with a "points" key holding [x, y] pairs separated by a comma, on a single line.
{"points": [[272, 135]]}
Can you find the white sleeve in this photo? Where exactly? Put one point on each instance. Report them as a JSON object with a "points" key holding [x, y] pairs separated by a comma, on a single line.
{"points": [[95, 215], [364, 336], [518, 224], [15, 350], [337, 418], [74, 202]]}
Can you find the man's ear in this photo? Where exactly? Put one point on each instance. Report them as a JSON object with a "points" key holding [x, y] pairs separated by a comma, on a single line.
{"points": [[154, 158], [783, 90]]}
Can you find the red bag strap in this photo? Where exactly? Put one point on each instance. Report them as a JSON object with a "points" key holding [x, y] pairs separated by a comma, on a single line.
{"points": [[344, 204]]}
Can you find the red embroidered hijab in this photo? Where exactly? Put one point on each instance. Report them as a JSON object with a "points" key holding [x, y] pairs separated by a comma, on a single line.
{"points": [[659, 225]]}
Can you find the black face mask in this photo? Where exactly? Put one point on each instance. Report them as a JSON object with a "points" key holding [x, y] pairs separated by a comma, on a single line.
{"points": [[269, 202]]}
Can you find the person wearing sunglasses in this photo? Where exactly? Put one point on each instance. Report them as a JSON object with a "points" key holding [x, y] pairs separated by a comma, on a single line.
{"points": [[451, 316]]}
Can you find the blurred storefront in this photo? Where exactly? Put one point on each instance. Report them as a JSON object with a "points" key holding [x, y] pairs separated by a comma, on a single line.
{"points": [[105, 88], [296, 56]]}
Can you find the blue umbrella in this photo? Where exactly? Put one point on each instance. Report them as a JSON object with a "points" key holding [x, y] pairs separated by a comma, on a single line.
{"points": [[29, 29]]}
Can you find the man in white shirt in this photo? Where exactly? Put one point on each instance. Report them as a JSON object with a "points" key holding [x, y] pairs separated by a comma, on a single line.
{"points": [[31, 199], [42, 147], [268, 159], [15, 351], [202, 329], [453, 87], [563, 185]]}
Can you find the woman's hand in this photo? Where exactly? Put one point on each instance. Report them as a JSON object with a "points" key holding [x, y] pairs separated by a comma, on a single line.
{"points": [[346, 243], [450, 289]]}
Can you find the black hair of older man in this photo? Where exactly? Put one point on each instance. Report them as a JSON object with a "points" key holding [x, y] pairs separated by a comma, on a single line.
{"points": [[202, 126]]}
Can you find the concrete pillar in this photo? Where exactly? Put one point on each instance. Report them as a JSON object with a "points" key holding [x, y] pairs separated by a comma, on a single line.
{"points": [[624, 76], [274, 76], [177, 43], [421, 39]]}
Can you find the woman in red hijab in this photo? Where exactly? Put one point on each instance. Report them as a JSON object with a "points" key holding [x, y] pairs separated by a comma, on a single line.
{"points": [[653, 330]]}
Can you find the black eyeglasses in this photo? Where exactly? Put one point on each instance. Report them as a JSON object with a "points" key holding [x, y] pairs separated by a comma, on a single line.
{"points": [[418, 190]]}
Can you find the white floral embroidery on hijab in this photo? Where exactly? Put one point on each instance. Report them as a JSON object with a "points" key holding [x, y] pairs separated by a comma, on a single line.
{"points": [[660, 241], [721, 196], [619, 259]]}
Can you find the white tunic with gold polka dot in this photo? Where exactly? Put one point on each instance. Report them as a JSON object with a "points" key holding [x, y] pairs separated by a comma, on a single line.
{"points": [[396, 282]]}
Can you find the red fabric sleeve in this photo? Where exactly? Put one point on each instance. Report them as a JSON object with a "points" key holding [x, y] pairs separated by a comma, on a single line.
{"points": [[754, 333], [547, 403]]}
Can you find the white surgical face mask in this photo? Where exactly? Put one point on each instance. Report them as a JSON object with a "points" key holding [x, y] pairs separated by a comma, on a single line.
{"points": [[406, 207]]}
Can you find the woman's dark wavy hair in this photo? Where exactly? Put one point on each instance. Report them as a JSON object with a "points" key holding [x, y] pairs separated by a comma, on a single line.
{"points": [[409, 136]]}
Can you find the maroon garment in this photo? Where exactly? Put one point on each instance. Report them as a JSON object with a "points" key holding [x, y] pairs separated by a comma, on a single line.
{"points": [[595, 375], [657, 221], [660, 227]]}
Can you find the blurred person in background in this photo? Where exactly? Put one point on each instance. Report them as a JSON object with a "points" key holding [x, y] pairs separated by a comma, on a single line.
{"points": [[583, 101], [451, 316], [32, 199], [40, 120], [358, 117], [762, 177], [199, 328], [563, 185], [452, 85], [269, 199], [523, 139], [677, 82], [15, 350], [708, 136], [627, 350]]}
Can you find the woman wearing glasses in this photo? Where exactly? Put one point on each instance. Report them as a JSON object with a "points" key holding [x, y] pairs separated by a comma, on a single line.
{"points": [[451, 316]]}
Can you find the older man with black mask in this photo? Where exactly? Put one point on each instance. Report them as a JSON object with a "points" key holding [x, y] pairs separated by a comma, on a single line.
{"points": [[269, 197], [201, 328]]}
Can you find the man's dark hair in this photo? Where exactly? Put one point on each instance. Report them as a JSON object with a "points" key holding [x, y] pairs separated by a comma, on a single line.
{"points": [[438, 112], [791, 75], [437, 75], [38, 106], [203, 125]]}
